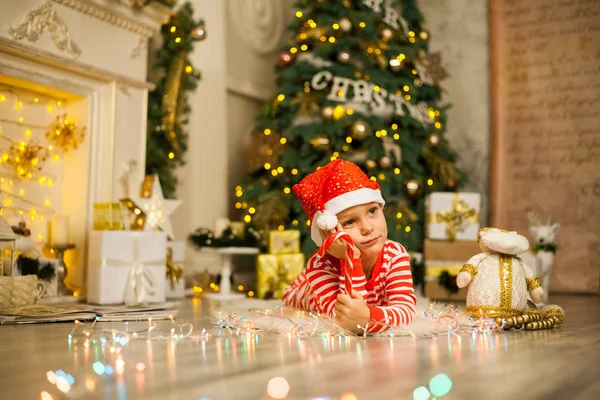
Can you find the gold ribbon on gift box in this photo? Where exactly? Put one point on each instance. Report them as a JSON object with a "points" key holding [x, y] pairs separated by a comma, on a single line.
{"points": [[174, 271], [284, 242], [437, 269], [459, 216], [108, 217], [276, 272]]}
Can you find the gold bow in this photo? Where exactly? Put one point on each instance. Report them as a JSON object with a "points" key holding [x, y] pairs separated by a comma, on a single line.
{"points": [[174, 271], [457, 218]]}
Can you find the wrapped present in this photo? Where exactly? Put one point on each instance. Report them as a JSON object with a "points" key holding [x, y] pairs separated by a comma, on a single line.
{"points": [[434, 290], [175, 285], [452, 216], [275, 272], [284, 242], [126, 267], [108, 216], [447, 250]]}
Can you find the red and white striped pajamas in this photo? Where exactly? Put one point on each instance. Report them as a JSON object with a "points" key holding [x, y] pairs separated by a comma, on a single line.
{"points": [[389, 293]]}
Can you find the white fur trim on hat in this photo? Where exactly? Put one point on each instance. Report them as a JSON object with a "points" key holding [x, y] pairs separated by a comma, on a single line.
{"points": [[505, 242], [339, 204]]}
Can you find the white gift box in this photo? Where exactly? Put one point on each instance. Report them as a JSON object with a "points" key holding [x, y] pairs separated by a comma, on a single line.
{"points": [[452, 215], [177, 291], [127, 267]]}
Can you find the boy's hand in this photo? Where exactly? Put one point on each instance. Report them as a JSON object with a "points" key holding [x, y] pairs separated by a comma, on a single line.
{"points": [[338, 247], [351, 312]]}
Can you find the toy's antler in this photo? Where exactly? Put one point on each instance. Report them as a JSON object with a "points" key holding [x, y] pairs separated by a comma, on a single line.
{"points": [[533, 218]]}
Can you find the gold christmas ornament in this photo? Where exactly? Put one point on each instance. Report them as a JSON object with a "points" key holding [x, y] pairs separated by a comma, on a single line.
{"points": [[396, 65], [370, 164], [434, 140], [327, 113], [345, 25], [385, 162], [387, 34], [360, 129], [347, 3], [199, 33], [424, 34], [413, 187], [418, 82], [320, 143], [64, 134], [285, 59], [344, 57], [451, 185], [26, 158]]}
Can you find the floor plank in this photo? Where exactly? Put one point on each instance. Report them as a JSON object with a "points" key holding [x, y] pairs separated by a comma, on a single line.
{"points": [[551, 364]]}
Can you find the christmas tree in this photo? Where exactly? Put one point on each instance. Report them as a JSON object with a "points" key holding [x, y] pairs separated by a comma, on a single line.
{"points": [[357, 83]]}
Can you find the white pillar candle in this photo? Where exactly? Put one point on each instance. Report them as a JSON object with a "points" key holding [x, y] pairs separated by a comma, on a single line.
{"points": [[59, 230]]}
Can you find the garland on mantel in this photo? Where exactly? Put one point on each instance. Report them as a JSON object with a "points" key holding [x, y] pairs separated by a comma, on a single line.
{"points": [[168, 106]]}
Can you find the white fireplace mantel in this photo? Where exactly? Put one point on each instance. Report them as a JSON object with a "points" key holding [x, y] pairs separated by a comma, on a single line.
{"points": [[97, 51]]}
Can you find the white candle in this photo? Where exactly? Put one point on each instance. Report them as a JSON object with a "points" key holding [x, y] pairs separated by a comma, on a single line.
{"points": [[59, 230]]}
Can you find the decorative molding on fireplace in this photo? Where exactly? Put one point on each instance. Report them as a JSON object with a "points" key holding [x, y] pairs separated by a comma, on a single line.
{"points": [[129, 19], [40, 19], [44, 57]]}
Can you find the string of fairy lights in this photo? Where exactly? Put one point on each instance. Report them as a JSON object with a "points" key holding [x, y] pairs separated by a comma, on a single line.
{"points": [[28, 145]]}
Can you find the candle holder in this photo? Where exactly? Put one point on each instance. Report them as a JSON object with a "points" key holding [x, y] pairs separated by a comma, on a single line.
{"points": [[59, 251]]}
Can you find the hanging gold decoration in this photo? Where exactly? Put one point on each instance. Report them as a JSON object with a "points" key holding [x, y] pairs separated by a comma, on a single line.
{"points": [[171, 98], [307, 100], [263, 149], [441, 168], [345, 23], [430, 69], [385, 162], [26, 158], [424, 34], [64, 134]]}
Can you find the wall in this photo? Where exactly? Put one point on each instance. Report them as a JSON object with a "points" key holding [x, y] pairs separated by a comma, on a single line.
{"points": [[236, 60], [459, 29]]}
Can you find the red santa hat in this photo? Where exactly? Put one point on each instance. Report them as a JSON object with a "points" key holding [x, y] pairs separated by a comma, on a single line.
{"points": [[331, 189]]}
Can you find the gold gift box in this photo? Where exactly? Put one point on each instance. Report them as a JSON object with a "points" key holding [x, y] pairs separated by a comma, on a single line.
{"points": [[435, 269], [275, 272], [284, 242], [108, 217]]}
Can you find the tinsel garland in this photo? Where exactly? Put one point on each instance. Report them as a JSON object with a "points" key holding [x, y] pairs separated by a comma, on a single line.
{"points": [[168, 106]]}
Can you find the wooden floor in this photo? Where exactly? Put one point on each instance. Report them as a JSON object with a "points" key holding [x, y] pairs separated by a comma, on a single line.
{"points": [[556, 364]]}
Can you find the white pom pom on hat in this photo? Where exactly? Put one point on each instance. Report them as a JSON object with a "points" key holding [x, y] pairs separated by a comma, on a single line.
{"points": [[327, 221]]}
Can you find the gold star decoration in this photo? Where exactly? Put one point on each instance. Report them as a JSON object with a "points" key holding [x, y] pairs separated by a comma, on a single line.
{"points": [[155, 208]]}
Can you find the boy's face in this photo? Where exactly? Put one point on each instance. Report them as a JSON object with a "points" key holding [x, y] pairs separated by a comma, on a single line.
{"points": [[366, 226]]}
